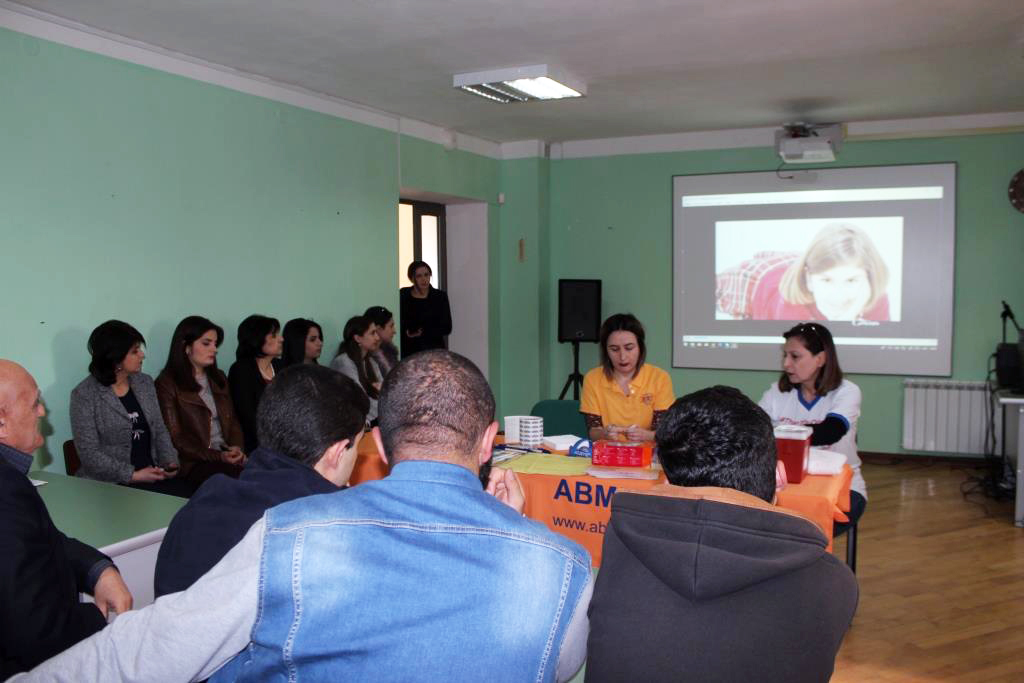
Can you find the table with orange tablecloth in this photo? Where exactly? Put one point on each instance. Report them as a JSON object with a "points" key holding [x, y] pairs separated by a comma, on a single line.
{"points": [[579, 506]]}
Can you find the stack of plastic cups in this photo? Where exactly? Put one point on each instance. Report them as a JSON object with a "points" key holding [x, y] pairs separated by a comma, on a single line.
{"points": [[531, 431]]}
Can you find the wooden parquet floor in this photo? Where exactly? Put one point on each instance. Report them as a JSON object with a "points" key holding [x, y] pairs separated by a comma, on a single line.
{"points": [[941, 581]]}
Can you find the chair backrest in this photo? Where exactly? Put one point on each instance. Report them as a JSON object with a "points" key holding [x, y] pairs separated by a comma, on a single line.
{"points": [[561, 417], [71, 461]]}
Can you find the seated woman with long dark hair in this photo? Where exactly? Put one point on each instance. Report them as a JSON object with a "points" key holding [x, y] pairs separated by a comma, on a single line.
{"points": [[354, 359], [256, 362], [387, 354], [812, 391], [303, 342], [115, 417], [196, 403]]}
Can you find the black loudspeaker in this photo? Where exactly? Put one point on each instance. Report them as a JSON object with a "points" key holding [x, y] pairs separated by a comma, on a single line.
{"points": [[579, 310], [1009, 373]]}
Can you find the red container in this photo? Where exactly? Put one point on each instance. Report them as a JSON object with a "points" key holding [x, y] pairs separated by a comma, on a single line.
{"points": [[622, 453], [793, 445]]}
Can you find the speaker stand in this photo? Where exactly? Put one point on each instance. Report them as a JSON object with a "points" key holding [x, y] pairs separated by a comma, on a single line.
{"points": [[575, 379], [1007, 314]]}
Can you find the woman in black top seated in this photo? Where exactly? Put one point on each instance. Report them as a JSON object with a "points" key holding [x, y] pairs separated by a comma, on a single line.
{"points": [[118, 430], [303, 342], [259, 346], [425, 315]]}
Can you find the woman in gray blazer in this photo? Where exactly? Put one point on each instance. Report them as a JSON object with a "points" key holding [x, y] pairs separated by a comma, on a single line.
{"points": [[116, 422]]}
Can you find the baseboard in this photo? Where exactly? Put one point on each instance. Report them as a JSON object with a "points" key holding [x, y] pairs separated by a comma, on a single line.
{"points": [[881, 458]]}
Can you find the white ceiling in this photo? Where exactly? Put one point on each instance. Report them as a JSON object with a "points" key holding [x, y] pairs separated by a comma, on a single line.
{"points": [[651, 66]]}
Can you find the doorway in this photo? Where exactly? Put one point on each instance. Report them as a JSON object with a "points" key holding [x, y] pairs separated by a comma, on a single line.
{"points": [[456, 230], [421, 237]]}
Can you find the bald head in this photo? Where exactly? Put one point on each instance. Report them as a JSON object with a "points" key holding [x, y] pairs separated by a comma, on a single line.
{"points": [[13, 378], [20, 408]]}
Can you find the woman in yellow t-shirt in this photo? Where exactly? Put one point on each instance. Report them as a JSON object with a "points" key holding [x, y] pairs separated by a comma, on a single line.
{"points": [[623, 398]]}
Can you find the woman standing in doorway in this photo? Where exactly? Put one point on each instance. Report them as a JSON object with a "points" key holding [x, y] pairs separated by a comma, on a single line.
{"points": [[426, 318]]}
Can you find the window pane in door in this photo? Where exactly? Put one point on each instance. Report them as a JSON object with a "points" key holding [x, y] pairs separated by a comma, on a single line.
{"points": [[405, 243], [429, 246]]}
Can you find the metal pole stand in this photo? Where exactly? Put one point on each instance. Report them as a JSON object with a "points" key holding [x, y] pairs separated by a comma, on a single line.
{"points": [[575, 379]]}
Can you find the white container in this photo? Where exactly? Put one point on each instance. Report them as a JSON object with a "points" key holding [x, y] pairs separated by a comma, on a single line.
{"points": [[525, 430], [531, 431]]}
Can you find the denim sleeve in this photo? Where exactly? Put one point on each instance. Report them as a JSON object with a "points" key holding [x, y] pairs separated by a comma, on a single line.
{"points": [[180, 637], [574, 647]]}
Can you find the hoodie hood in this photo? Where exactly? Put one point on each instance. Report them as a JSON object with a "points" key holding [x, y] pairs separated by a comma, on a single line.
{"points": [[705, 543]]}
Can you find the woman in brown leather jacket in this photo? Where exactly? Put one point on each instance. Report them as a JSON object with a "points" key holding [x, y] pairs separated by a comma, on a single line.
{"points": [[196, 403]]}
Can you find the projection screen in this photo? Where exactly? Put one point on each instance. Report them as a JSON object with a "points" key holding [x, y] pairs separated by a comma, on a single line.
{"points": [[868, 252]]}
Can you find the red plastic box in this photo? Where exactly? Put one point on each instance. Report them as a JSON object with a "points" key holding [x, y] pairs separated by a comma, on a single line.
{"points": [[793, 445], [622, 453]]}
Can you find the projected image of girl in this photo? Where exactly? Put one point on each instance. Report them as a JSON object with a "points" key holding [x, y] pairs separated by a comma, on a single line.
{"points": [[839, 276]]}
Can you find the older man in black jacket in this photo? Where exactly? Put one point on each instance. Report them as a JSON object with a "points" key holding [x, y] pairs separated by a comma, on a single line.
{"points": [[42, 571]]}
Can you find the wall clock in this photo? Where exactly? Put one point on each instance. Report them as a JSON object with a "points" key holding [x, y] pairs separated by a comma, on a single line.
{"points": [[1017, 190]]}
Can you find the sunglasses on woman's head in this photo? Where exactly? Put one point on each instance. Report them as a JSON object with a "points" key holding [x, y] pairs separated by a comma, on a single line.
{"points": [[809, 330]]}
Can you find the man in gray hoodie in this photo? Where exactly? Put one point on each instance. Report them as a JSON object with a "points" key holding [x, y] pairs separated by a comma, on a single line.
{"points": [[704, 578]]}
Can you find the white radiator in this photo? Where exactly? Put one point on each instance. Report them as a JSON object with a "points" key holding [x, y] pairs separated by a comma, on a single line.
{"points": [[949, 416]]}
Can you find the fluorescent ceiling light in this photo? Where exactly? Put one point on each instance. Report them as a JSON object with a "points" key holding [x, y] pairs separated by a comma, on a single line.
{"points": [[521, 84]]}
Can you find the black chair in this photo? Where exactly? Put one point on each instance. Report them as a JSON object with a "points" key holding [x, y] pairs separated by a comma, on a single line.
{"points": [[71, 461], [851, 546], [561, 417], [851, 538]]}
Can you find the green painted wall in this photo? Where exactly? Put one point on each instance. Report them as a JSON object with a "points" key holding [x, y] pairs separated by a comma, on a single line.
{"points": [[134, 194], [131, 193], [427, 166], [525, 184], [611, 218]]}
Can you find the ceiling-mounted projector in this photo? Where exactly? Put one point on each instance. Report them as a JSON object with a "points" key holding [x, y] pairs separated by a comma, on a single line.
{"points": [[805, 143]]}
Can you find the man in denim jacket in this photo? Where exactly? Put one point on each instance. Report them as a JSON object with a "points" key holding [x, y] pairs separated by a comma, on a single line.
{"points": [[419, 576]]}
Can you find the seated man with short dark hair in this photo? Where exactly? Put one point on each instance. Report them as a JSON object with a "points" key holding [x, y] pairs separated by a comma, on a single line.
{"points": [[420, 576], [704, 579], [310, 420]]}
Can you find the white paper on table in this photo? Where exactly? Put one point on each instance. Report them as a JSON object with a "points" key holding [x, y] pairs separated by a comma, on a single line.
{"points": [[562, 442], [825, 462], [622, 472], [36, 482]]}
